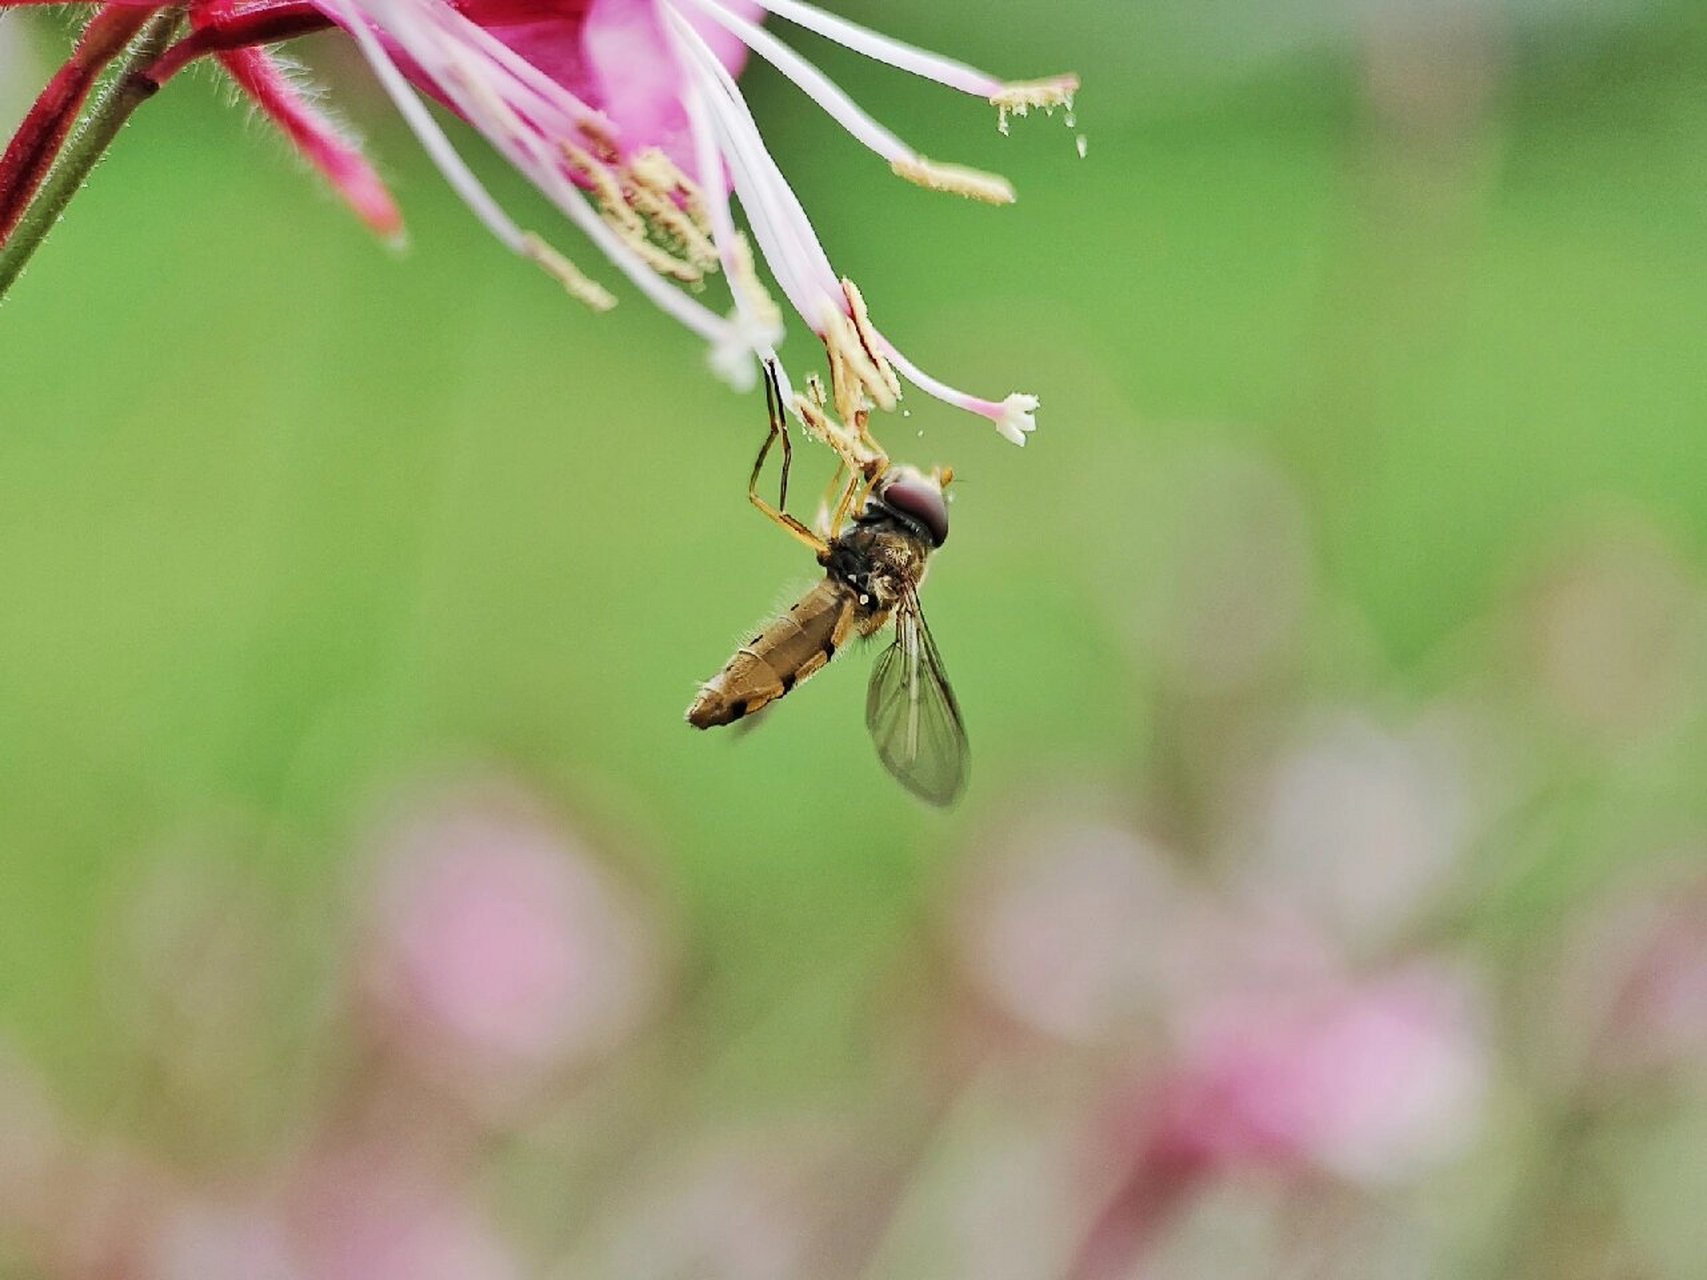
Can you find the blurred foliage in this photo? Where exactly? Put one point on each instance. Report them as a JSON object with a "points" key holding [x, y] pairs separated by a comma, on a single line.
{"points": [[286, 520]]}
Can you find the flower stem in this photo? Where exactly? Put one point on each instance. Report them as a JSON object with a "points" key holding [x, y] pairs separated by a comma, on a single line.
{"points": [[30, 155], [128, 90]]}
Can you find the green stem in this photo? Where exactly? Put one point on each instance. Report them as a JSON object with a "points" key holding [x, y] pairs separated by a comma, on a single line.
{"points": [[128, 90]]}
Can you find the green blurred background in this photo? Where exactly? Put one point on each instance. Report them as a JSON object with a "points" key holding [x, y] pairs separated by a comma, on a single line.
{"points": [[287, 520]]}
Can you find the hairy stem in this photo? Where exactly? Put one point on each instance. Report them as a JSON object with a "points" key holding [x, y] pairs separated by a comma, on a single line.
{"points": [[32, 151], [129, 89]]}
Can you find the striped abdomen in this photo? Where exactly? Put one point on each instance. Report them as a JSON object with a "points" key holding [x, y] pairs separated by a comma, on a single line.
{"points": [[779, 657]]}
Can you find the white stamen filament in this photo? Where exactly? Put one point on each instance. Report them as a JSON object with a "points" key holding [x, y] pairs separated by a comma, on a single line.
{"points": [[758, 336], [712, 116], [811, 81], [903, 160], [428, 134], [785, 233], [764, 219], [560, 142], [1013, 416], [479, 98], [708, 160], [882, 48], [768, 200], [730, 112]]}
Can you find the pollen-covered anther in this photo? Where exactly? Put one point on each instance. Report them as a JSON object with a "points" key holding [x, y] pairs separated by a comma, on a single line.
{"points": [[744, 279], [566, 273], [815, 391], [1020, 96], [670, 222], [639, 219], [846, 386], [607, 191], [659, 257], [860, 376], [599, 140], [656, 171], [819, 425], [856, 381], [868, 339], [955, 179], [854, 447]]}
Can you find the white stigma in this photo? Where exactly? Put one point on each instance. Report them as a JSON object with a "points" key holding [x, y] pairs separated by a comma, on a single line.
{"points": [[1018, 417]]}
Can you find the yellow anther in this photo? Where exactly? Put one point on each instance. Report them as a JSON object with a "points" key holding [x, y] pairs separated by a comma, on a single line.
{"points": [[566, 273], [974, 184]]}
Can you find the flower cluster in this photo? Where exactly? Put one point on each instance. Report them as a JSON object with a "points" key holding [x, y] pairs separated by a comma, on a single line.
{"points": [[625, 114]]}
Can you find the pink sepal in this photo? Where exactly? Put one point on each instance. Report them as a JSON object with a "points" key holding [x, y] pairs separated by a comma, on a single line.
{"points": [[262, 77]]}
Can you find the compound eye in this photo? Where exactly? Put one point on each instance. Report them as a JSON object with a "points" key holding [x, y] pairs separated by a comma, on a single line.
{"points": [[921, 501]]}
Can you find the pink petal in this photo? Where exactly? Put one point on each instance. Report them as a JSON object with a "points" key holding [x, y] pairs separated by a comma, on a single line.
{"points": [[615, 56]]}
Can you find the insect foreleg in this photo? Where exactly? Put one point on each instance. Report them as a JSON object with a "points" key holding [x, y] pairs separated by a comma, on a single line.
{"points": [[830, 495], [779, 428]]}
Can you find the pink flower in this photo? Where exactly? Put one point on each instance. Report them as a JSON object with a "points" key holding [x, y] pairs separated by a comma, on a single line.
{"points": [[625, 114], [1629, 993], [367, 1212], [200, 1237], [1357, 826], [500, 949], [1074, 928], [1374, 1080]]}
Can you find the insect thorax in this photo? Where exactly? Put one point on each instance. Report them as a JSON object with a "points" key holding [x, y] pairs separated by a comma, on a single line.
{"points": [[878, 559]]}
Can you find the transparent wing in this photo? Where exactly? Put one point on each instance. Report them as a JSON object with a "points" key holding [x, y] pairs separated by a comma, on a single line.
{"points": [[912, 714]]}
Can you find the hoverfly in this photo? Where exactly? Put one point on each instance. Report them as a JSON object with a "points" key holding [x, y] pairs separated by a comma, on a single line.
{"points": [[873, 566]]}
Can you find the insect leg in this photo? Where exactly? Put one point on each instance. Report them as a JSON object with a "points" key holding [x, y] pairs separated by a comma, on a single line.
{"points": [[781, 425], [779, 428], [830, 495], [839, 518]]}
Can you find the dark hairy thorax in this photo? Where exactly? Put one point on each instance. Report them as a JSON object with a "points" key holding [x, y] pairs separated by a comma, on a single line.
{"points": [[878, 558]]}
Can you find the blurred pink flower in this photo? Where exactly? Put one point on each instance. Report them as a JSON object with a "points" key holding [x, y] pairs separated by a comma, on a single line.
{"points": [[1630, 993], [500, 949], [1375, 1079], [1357, 827], [1089, 932], [625, 114], [1073, 928], [372, 1213], [91, 1212], [198, 1239]]}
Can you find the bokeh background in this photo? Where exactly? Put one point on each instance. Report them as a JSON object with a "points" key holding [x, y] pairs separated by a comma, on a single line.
{"points": [[1328, 899]]}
